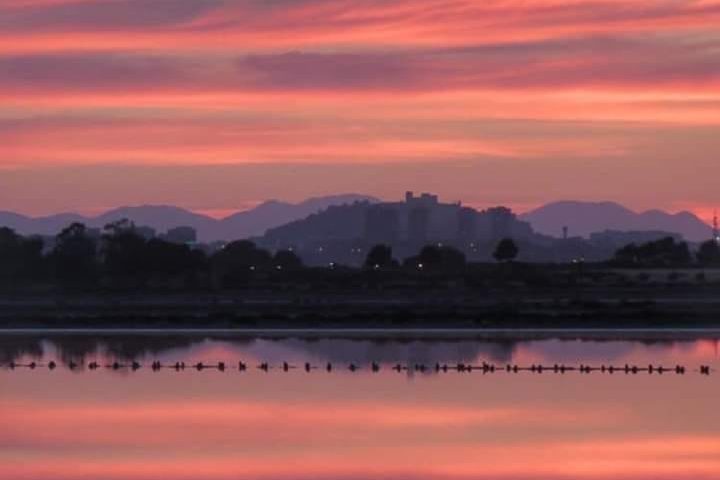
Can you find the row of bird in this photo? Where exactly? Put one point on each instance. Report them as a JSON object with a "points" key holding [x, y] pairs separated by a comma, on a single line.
{"points": [[374, 367]]}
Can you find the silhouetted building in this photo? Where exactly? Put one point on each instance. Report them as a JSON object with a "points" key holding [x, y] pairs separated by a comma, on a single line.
{"points": [[418, 222], [181, 235], [501, 219], [382, 225], [424, 200], [406, 226], [467, 225], [148, 233]]}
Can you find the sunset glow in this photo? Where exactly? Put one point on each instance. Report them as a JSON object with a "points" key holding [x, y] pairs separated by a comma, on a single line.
{"points": [[489, 96]]}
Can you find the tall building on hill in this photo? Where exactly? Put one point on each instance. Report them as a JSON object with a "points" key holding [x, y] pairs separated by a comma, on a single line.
{"points": [[423, 218], [418, 222], [382, 224], [426, 200], [467, 225], [341, 232]]}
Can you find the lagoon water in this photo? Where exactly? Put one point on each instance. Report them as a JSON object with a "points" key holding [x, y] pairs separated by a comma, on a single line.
{"points": [[211, 425]]}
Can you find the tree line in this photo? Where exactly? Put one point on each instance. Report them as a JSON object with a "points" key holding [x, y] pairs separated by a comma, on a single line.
{"points": [[667, 252], [120, 257]]}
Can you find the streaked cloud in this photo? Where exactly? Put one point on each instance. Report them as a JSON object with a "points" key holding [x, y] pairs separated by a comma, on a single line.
{"points": [[356, 82]]}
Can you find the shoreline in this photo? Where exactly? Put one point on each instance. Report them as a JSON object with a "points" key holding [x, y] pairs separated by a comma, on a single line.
{"points": [[559, 333]]}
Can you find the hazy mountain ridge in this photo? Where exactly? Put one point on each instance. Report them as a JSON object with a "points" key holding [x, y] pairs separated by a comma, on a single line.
{"points": [[244, 224], [584, 218]]}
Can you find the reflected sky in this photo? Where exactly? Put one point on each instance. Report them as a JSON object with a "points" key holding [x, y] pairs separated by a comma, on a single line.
{"points": [[211, 425]]}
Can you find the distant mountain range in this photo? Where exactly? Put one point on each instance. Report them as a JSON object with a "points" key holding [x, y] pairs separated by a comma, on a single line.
{"points": [[253, 222], [581, 218], [584, 218]]}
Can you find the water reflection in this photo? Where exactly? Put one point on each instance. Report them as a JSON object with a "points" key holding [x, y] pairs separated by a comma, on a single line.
{"points": [[220, 426], [67, 349]]}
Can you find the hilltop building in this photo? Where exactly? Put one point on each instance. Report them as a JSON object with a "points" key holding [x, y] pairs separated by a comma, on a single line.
{"points": [[422, 219], [344, 234]]}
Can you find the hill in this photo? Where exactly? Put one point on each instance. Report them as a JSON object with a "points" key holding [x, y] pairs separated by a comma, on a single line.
{"points": [[245, 224], [584, 218]]}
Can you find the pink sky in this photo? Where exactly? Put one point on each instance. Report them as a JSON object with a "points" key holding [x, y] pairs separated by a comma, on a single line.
{"points": [[216, 104]]}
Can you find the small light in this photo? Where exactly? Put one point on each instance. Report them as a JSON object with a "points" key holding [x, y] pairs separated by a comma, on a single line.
{"points": [[278, 267], [420, 266]]}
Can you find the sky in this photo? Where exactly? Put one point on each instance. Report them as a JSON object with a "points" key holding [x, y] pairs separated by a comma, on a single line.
{"points": [[215, 105]]}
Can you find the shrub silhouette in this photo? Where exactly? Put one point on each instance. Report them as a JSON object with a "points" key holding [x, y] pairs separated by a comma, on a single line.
{"points": [[506, 250]]}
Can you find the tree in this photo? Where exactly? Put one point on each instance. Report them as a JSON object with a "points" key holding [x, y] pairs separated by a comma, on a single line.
{"points": [[627, 255], [437, 258], [171, 259], [380, 256], [125, 253], [666, 252], [506, 251], [20, 258], [74, 257], [9, 248], [239, 260], [287, 260], [709, 253]]}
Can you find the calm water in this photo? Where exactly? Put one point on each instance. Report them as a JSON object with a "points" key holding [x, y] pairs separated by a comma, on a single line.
{"points": [[209, 425]]}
